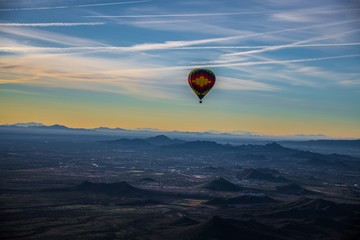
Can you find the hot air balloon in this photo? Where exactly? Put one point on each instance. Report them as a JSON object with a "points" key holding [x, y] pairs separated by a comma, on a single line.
{"points": [[201, 81]]}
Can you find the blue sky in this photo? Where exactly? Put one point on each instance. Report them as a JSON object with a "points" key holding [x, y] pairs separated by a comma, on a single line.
{"points": [[283, 67]]}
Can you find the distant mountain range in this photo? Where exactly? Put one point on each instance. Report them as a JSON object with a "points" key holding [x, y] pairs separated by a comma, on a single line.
{"points": [[29, 124], [326, 160], [249, 147], [207, 134], [255, 151], [167, 143]]}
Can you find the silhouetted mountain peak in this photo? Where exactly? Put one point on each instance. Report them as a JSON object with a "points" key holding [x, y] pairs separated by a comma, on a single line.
{"points": [[160, 137], [221, 184], [274, 146], [59, 127], [163, 140], [110, 129]]}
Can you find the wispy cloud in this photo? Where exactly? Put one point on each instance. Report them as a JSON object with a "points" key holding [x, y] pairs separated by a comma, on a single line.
{"points": [[49, 36], [244, 85], [87, 73], [128, 73], [267, 46], [70, 6], [350, 82], [104, 75], [297, 74], [309, 15], [112, 3], [175, 15], [295, 44], [81, 45], [302, 15], [172, 44], [239, 37], [73, 41], [136, 48], [54, 24], [32, 8], [284, 61], [207, 25]]}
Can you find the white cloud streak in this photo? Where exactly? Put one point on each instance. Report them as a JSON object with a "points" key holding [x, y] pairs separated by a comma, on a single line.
{"points": [[301, 75], [50, 37], [173, 44], [267, 46], [70, 6], [54, 24], [136, 48], [30, 9], [175, 15], [283, 61], [291, 45], [297, 16], [308, 15], [350, 82], [112, 3], [229, 83]]}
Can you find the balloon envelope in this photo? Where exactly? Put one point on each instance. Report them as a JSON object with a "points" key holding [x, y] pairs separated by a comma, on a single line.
{"points": [[201, 81]]}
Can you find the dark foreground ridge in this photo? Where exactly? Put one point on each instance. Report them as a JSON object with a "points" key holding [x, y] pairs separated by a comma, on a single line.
{"points": [[121, 188], [293, 189], [217, 228]]}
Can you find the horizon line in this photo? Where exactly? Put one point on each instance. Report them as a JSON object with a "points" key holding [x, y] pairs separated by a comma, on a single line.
{"points": [[212, 132]]}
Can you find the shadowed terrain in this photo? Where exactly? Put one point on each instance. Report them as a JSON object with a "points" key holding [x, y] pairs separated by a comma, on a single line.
{"points": [[61, 184]]}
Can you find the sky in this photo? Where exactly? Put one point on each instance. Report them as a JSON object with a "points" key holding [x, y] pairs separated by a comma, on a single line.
{"points": [[282, 67]]}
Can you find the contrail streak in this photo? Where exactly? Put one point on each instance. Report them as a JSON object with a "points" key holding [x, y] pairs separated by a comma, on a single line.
{"points": [[128, 49], [77, 6], [282, 61], [59, 24], [113, 3], [174, 15]]}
